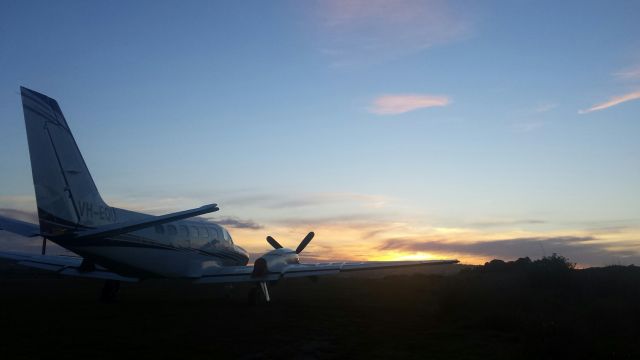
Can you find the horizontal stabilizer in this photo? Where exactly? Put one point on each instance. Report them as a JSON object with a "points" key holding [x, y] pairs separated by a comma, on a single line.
{"points": [[19, 227], [129, 226], [63, 265]]}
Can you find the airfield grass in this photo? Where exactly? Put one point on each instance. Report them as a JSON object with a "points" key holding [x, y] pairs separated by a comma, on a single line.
{"points": [[480, 313]]}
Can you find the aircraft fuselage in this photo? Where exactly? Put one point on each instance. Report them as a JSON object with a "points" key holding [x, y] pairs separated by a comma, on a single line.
{"points": [[180, 249]]}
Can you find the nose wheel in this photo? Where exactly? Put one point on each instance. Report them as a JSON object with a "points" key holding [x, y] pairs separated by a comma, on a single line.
{"points": [[110, 291]]}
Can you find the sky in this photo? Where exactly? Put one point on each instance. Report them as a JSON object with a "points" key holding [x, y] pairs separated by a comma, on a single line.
{"points": [[393, 129]]}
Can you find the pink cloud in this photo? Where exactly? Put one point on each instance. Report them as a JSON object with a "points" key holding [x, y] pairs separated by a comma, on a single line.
{"points": [[356, 31], [402, 103], [612, 102]]}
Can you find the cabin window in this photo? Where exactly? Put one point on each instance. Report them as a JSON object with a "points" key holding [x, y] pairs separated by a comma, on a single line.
{"points": [[204, 233], [171, 230], [160, 229], [194, 232], [184, 231]]}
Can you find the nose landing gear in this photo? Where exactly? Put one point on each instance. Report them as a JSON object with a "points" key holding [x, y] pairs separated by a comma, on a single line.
{"points": [[261, 291], [110, 291]]}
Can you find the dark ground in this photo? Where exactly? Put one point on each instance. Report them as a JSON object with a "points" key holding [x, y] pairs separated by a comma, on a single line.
{"points": [[486, 313]]}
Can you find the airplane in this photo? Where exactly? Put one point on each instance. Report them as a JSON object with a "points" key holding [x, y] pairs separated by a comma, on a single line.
{"points": [[118, 245]]}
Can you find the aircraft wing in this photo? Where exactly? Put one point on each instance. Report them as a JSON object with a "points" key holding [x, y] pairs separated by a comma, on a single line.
{"points": [[328, 268], [232, 274], [64, 265], [19, 227]]}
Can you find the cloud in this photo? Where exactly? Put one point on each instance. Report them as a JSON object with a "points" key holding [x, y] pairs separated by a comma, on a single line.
{"points": [[612, 102], [351, 221], [356, 31], [284, 201], [542, 108], [18, 202], [238, 224], [232, 222], [629, 73], [585, 249], [28, 216], [402, 103], [525, 127], [315, 199], [15, 242], [500, 223]]}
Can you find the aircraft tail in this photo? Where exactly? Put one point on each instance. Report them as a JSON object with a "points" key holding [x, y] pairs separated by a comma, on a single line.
{"points": [[66, 195]]}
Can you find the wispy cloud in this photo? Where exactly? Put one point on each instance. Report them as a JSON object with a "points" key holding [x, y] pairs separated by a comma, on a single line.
{"points": [[315, 199], [616, 100], [507, 222], [542, 108], [18, 202], [15, 242], [402, 103], [356, 31], [230, 221], [524, 127], [632, 73], [238, 223], [28, 216]]}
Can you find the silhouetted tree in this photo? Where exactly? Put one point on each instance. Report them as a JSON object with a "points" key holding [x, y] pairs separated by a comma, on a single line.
{"points": [[555, 262], [495, 265]]}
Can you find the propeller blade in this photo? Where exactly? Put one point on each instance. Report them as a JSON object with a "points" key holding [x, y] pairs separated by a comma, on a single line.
{"points": [[304, 242], [274, 243]]}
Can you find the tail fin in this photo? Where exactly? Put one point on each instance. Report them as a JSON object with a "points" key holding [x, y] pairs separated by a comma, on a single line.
{"points": [[65, 192]]}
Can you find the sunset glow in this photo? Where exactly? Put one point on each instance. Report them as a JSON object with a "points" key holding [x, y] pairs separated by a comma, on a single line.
{"points": [[395, 130]]}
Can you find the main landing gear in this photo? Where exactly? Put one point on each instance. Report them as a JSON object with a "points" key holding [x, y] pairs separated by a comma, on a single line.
{"points": [[110, 291]]}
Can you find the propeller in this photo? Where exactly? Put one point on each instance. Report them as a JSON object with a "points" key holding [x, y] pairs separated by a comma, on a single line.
{"points": [[274, 243], [303, 243]]}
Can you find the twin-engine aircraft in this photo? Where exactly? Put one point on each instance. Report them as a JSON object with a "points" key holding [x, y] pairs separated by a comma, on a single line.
{"points": [[121, 245]]}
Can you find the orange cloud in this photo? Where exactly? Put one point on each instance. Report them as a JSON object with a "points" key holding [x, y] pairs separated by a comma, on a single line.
{"points": [[402, 103], [612, 102]]}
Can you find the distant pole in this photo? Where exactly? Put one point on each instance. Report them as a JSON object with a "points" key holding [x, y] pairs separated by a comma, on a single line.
{"points": [[44, 245]]}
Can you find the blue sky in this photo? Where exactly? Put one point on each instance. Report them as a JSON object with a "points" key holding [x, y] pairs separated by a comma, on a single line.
{"points": [[388, 127]]}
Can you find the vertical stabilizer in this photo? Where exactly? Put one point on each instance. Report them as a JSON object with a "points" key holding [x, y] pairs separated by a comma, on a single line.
{"points": [[65, 192]]}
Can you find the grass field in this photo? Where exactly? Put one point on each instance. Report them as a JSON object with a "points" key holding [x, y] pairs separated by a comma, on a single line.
{"points": [[483, 313]]}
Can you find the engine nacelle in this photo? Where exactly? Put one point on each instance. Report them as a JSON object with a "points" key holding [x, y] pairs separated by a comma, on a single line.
{"points": [[274, 261]]}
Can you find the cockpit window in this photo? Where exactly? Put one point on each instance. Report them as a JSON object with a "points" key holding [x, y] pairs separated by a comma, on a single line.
{"points": [[214, 233], [227, 236]]}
